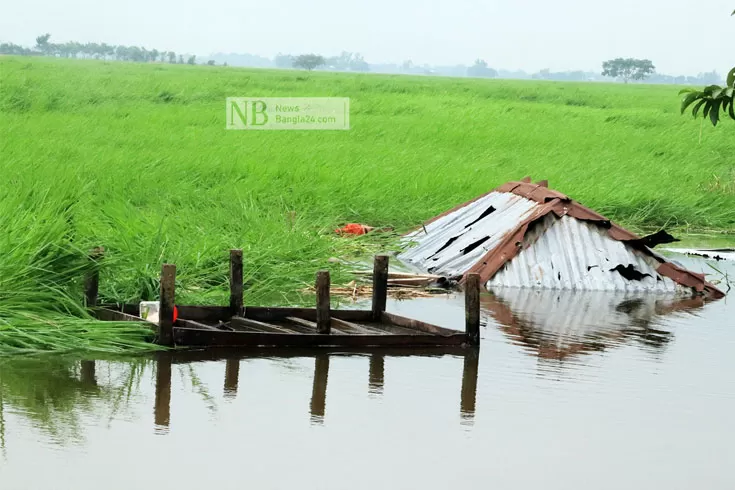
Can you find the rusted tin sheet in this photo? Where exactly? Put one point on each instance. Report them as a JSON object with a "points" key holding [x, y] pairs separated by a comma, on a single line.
{"points": [[487, 234]]}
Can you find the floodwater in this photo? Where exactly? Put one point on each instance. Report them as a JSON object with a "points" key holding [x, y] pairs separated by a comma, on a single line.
{"points": [[567, 392]]}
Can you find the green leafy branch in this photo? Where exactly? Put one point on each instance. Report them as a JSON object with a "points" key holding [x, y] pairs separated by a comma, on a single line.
{"points": [[712, 99]]}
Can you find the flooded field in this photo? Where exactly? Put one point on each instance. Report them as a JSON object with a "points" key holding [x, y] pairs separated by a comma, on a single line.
{"points": [[566, 391]]}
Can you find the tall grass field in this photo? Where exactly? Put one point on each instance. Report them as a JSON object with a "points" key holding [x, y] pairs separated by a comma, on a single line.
{"points": [[136, 158]]}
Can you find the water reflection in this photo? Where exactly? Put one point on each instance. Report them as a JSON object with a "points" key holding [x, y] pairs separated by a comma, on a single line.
{"points": [[377, 374], [319, 389], [318, 401], [561, 325], [162, 404], [61, 396]]}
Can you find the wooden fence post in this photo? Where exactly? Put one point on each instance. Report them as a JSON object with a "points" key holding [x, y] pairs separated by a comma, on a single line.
{"points": [[472, 308], [92, 281], [236, 294], [380, 286], [168, 300], [323, 314]]}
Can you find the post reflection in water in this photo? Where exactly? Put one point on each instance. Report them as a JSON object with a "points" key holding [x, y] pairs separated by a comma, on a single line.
{"points": [[88, 375], [319, 388], [162, 406], [469, 387], [318, 401], [232, 375], [377, 374]]}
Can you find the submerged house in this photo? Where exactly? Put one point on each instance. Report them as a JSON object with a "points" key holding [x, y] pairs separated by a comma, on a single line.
{"points": [[526, 235]]}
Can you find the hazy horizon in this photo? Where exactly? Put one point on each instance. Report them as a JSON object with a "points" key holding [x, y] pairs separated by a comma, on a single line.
{"points": [[525, 35]]}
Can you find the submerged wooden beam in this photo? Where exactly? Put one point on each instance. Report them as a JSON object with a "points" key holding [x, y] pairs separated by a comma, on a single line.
{"points": [[380, 285], [236, 294], [168, 300], [203, 338], [323, 314]]}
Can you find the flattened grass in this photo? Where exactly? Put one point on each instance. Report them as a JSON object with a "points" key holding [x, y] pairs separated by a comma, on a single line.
{"points": [[136, 158]]}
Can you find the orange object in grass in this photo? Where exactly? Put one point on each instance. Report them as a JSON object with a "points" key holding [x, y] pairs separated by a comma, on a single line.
{"points": [[353, 229]]}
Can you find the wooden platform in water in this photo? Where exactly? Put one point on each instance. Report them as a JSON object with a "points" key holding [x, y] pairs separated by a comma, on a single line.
{"points": [[252, 326], [209, 326]]}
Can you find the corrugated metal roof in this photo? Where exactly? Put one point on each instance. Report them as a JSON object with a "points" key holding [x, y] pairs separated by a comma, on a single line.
{"points": [[452, 243], [570, 254], [531, 236]]}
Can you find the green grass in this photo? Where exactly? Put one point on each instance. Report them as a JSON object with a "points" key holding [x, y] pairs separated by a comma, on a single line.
{"points": [[135, 158]]}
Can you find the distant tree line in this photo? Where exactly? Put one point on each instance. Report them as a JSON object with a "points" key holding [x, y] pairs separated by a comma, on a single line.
{"points": [[620, 69], [73, 49]]}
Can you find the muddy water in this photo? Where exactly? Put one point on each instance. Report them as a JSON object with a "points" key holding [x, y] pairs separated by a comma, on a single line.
{"points": [[568, 391]]}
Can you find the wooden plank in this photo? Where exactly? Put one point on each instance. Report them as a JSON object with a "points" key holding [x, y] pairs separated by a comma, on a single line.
{"points": [[323, 323], [301, 321], [184, 323], [262, 326], [380, 285], [168, 300], [305, 326], [353, 328], [203, 338], [236, 294], [402, 321], [264, 313], [472, 308]]}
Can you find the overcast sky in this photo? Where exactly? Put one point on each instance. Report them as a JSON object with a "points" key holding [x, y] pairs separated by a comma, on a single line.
{"points": [[679, 36]]}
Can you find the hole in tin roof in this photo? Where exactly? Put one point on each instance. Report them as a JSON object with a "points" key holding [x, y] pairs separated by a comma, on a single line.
{"points": [[484, 214], [469, 248]]}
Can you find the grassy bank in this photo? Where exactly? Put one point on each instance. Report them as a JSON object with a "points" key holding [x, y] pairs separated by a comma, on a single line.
{"points": [[136, 158]]}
